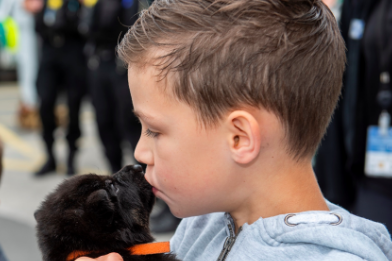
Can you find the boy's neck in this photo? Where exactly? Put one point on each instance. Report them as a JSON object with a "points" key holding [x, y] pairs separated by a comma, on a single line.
{"points": [[288, 188]]}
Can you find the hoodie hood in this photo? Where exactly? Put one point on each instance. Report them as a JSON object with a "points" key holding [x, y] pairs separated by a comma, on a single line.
{"points": [[332, 235], [335, 229]]}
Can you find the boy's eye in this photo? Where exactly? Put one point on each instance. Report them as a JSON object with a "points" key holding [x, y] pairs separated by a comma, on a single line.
{"points": [[150, 133]]}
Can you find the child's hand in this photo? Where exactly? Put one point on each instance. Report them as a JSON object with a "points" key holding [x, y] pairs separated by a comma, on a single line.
{"points": [[108, 257]]}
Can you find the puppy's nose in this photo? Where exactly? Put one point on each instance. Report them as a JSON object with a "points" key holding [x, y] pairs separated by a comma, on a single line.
{"points": [[137, 167]]}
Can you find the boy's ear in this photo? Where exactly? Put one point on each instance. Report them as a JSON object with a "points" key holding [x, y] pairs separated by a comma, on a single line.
{"points": [[244, 136]]}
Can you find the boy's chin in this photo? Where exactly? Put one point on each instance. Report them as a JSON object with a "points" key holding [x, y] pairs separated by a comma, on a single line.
{"points": [[175, 212], [178, 212], [184, 213]]}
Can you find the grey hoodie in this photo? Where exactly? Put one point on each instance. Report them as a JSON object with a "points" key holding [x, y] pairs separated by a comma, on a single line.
{"points": [[315, 235]]}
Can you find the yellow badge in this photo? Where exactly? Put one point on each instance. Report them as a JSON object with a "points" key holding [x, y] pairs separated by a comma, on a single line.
{"points": [[55, 4], [11, 33], [90, 3]]}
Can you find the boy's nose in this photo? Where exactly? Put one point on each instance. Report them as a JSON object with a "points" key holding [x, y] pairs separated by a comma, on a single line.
{"points": [[143, 153]]}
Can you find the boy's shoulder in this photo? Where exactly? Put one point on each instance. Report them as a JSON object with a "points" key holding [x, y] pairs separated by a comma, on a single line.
{"points": [[314, 235]]}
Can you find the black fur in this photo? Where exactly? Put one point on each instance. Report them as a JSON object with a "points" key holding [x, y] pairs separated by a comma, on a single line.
{"points": [[101, 214]]}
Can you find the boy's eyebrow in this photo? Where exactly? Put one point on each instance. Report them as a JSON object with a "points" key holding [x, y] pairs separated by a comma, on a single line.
{"points": [[141, 115]]}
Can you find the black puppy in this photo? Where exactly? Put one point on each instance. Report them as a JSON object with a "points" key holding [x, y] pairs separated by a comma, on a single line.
{"points": [[94, 215]]}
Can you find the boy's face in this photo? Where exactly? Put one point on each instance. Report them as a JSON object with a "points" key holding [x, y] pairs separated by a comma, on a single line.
{"points": [[187, 165]]}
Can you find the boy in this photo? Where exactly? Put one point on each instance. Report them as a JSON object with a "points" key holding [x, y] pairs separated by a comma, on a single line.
{"points": [[234, 97]]}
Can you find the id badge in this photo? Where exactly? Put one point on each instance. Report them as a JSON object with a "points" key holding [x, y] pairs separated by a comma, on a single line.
{"points": [[378, 160], [357, 27]]}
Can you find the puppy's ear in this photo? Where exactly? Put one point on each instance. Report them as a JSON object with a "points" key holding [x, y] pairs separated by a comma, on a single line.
{"points": [[100, 199], [99, 206]]}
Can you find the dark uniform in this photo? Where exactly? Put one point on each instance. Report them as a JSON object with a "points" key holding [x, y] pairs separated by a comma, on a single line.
{"points": [[104, 24], [340, 162], [108, 87], [62, 66]]}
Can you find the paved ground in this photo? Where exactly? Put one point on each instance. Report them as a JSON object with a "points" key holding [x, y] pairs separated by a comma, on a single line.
{"points": [[20, 192]]}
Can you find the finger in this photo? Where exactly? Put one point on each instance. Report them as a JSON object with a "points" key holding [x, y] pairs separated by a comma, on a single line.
{"points": [[108, 257]]}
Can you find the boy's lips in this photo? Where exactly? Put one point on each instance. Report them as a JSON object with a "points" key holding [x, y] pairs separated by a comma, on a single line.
{"points": [[154, 189]]}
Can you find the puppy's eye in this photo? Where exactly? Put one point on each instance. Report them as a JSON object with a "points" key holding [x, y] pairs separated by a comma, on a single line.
{"points": [[109, 183]]}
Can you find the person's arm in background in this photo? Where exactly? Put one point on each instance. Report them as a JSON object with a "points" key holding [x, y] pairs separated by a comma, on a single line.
{"points": [[108, 257]]}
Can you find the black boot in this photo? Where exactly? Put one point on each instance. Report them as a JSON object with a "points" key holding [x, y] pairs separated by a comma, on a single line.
{"points": [[48, 168], [70, 163]]}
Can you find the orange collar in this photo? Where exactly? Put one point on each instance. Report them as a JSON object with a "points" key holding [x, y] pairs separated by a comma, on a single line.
{"points": [[141, 249]]}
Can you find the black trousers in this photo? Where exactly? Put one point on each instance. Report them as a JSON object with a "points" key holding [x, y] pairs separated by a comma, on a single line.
{"points": [[108, 88], [60, 68]]}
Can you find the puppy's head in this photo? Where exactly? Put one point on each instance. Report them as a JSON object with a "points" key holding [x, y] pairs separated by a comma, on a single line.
{"points": [[95, 213]]}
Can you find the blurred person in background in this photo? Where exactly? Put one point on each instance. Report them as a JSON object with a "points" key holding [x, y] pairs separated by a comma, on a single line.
{"points": [[103, 23], [354, 162], [62, 66], [26, 54], [2, 256], [335, 6]]}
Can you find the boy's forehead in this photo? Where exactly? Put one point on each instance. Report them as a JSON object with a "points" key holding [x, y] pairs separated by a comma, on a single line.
{"points": [[149, 58], [153, 98], [149, 83], [140, 75]]}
